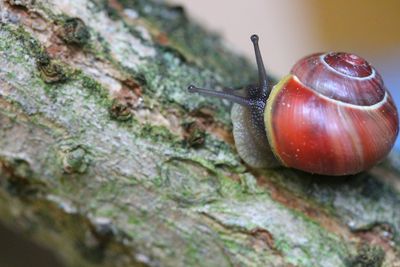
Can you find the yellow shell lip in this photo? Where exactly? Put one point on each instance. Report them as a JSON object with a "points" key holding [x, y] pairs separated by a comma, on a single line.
{"points": [[268, 114]]}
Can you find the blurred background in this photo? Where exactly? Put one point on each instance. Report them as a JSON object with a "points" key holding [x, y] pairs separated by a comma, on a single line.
{"points": [[290, 30]]}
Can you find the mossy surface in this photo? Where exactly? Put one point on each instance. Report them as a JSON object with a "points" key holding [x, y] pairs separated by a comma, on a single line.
{"points": [[100, 163]]}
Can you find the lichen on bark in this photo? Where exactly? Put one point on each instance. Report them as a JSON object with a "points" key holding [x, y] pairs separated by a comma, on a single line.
{"points": [[106, 160]]}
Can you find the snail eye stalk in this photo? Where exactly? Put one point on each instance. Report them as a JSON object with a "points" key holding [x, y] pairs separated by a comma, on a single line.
{"points": [[263, 84], [254, 93], [228, 95]]}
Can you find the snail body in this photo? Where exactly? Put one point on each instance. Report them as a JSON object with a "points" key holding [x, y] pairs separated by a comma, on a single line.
{"points": [[332, 115]]}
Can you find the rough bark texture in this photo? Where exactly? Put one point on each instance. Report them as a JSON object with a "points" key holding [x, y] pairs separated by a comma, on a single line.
{"points": [[106, 160]]}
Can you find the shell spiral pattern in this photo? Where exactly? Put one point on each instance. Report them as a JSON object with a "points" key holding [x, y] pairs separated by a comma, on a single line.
{"points": [[332, 115]]}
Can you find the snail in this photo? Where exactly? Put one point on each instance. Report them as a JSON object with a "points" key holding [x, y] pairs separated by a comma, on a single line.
{"points": [[332, 115]]}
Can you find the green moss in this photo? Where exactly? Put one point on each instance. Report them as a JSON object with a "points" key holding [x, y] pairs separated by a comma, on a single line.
{"points": [[95, 89], [76, 160], [282, 245], [368, 256], [50, 71], [158, 134], [249, 183], [188, 182], [173, 182], [192, 256], [173, 87], [93, 86], [231, 188], [187, 41], [361, 201], [134, 220], [104, 5], [301, 241], [33, 46], [192, 42], [11, 75]]}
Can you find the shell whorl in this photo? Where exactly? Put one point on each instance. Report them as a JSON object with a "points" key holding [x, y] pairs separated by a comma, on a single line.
{"points": [[317, 134], [341, 76]]}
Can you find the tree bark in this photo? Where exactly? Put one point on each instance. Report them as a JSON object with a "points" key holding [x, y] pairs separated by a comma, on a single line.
{"points": [[106, 160]]}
